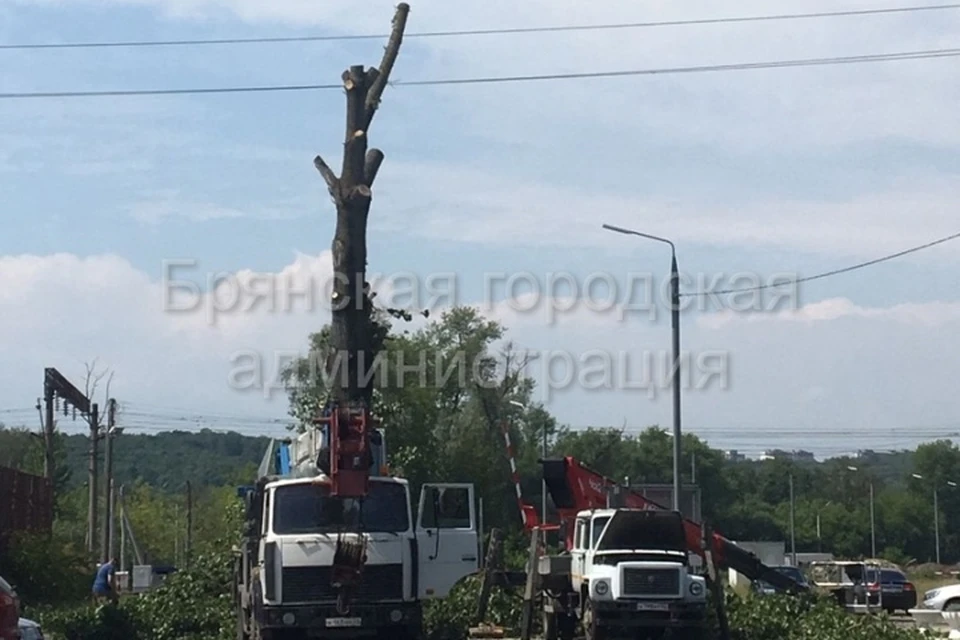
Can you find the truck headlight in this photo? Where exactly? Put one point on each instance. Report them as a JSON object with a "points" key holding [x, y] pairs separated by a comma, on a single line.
{"points": [[696, 589], [601, 588]]}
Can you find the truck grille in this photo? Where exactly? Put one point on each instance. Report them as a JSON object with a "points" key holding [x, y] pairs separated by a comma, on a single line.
{"points": [[312, 584], [651, 582]]}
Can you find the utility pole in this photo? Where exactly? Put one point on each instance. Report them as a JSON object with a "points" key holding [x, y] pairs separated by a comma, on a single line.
{"points": [[793, 533], [873, 526], [189, 522], [123, 538], [49, 462], [107, 541], [55, 385], [936, 522], [92, 464]]}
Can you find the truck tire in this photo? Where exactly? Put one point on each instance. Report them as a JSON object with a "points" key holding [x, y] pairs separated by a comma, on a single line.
{"points": [[591, 630], [550, 626]]}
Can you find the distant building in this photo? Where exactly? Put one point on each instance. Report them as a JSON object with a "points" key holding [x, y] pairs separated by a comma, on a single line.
{"points": [[732, 455], [780, 454]]}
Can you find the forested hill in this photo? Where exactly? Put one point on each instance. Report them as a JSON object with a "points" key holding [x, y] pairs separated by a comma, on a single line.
{"points": [[164, 460]]}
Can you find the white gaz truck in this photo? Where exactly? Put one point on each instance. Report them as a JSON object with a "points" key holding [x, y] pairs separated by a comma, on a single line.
{"points": [[314, 564]]}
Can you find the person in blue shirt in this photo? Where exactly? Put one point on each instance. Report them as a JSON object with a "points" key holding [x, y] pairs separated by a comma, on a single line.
{"points": [[104, 586]]}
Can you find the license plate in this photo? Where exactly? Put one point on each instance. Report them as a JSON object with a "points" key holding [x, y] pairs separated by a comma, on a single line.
{"points": [[344, 622], [653, 606]]}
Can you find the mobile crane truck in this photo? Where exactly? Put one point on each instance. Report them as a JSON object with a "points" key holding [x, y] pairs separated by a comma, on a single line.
{"points": [[330, 548], [626, 569]]}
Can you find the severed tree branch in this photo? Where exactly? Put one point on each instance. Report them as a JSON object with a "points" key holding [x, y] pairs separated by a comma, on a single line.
{"points": [[372, 165], [333, 182], [381, 76]]}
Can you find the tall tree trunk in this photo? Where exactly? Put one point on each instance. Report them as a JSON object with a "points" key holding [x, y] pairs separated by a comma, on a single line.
{"points": [[355, 337]]}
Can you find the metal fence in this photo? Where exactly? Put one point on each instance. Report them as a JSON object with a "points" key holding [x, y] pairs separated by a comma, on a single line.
{"points": [[26, 503]]}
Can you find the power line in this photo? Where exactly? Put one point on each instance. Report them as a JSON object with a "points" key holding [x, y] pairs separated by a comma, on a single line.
{"points": [[741, 66], [827, 274], [482, 32]]}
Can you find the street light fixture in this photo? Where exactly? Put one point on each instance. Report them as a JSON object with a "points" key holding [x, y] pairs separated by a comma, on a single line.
{"points": [[873, 522], [675, 326], [543, 455], [936, 512]]}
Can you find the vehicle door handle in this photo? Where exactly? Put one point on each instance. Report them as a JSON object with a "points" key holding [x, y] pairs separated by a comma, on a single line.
{"points": [[469, 558]]}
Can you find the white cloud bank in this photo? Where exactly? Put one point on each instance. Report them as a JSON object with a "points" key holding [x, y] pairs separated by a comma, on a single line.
{"points": [[840, 368]]}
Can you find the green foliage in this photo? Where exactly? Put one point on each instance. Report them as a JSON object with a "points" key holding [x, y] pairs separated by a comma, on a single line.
{"points": [[47, 569], [192, 604], [452, 617], [90, 623], [806, 618], [165, 460]]}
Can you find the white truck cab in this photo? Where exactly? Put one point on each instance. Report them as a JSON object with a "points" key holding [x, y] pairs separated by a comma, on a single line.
{"points": [[629, 571], [284, 574]]}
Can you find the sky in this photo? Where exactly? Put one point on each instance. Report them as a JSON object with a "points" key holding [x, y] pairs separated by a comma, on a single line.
{"points": [[754, 175]]}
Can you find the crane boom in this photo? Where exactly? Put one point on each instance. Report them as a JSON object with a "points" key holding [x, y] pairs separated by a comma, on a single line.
{"points": [[575, 487]]}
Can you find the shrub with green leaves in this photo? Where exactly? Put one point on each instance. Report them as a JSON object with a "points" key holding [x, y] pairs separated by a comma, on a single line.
{"points": [[452, 617], [807, 617]]}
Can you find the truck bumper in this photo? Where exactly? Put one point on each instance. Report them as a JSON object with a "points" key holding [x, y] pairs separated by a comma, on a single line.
{"points": [[625, 614], [323, 619]]}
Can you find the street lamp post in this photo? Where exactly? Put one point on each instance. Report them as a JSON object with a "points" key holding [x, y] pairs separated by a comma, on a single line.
{"points": [[675, 326], [543, 455], [793, 531], [936, 512], [819, 535], [873, 522]]}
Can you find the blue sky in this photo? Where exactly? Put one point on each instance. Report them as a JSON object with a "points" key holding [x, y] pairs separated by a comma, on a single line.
{"points": [[800, 170]]}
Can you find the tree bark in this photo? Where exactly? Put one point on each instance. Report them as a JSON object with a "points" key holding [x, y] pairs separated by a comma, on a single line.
{"points": [[354, 337]]}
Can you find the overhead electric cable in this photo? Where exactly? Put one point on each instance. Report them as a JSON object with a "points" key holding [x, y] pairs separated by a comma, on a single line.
{"points": [[742, 66], [827, 274], [483, 32]]}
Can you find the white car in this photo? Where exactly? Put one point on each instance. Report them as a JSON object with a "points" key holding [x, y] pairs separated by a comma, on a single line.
{"points": [[30, 630], [943, 598]]}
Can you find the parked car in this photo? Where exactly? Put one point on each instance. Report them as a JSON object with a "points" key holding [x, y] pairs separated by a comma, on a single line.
{"points": [[30, 630], [897, 591], [9, 612], [943, 598], [760, 587]]}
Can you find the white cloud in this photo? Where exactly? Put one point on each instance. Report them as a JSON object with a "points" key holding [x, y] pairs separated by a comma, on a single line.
{"points": [[842, 366], [491, 208], [932, 315]]}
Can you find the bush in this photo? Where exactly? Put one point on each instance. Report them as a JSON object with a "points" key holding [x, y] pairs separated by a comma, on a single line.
{"points": [[806, 617], [452, 617], [87, 622], [47, 569]]}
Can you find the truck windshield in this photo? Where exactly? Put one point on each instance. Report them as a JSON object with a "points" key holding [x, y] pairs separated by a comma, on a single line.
{"points": [[307, 508]]}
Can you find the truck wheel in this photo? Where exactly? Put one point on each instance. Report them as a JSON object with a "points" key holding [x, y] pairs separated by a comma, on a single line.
{"points": [[567, 626], [591, 630], [550, 631]]}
